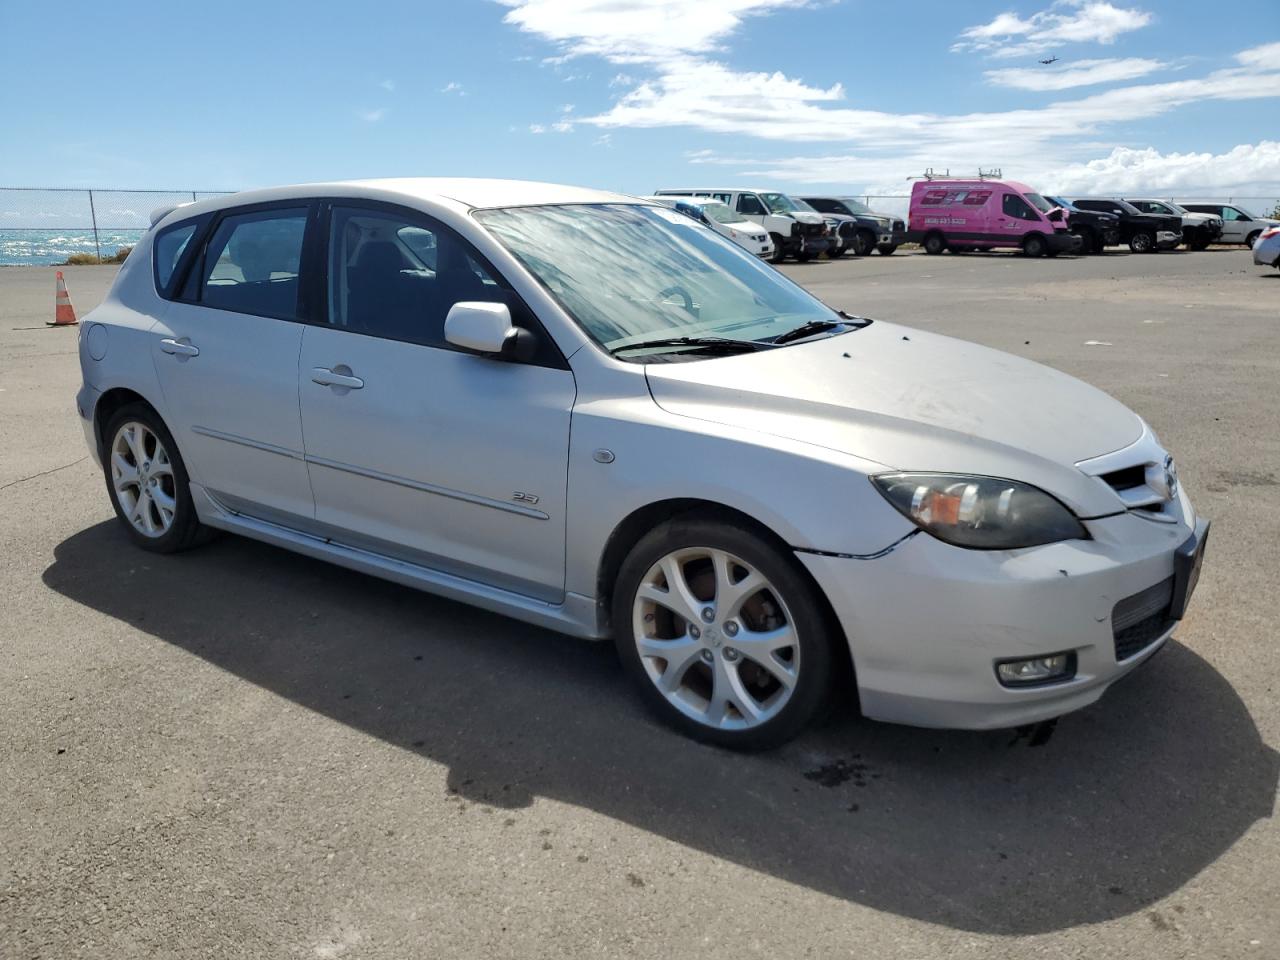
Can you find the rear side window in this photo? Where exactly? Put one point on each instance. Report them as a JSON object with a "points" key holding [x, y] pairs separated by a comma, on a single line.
{"points": [[1015, 206], [170, 244], [252, 262]]}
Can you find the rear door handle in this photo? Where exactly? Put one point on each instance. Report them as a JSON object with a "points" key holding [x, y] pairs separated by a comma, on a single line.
{"points": [[179, 349], [340, 376]]}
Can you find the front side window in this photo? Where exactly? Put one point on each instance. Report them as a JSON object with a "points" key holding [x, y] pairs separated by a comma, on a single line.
{"points": [[252, 262], [1231, 213], [749, 205], [168, 249], [629, 273], [396, 277], [1015, 206]]}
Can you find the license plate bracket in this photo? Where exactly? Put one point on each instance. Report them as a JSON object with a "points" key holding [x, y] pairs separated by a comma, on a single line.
{"points": [[1187, 561]]}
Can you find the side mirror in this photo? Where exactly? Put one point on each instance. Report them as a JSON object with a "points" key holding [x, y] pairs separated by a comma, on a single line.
{"points": [[486, 328], [1055, 214]]}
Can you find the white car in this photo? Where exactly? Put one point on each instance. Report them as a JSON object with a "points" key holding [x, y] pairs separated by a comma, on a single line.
{"points": [[1238, 224], [593, 414], [723, 221]]}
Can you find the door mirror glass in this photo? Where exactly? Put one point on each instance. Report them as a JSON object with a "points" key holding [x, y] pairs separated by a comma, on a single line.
{"points": [[481, 327]]}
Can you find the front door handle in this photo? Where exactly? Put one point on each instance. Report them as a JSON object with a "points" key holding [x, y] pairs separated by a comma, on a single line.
{"points": [[339, 376], [178, 348]]}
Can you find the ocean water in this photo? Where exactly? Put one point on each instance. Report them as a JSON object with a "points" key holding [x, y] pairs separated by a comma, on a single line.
{"points": [[37, 247]]}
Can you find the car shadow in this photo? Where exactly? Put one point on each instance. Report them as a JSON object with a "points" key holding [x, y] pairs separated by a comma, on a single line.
{"points": [[1004, 832]]}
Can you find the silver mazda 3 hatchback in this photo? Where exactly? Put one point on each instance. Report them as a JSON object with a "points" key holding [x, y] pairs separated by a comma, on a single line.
{"points": [[597, 415]]}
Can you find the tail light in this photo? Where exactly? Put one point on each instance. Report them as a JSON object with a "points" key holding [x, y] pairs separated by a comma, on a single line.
{"points": [[1269, 232]]}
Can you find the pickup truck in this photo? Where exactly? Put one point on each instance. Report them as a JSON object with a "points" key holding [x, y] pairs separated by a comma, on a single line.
{"points": [[1143, 232], [1095, 229]]}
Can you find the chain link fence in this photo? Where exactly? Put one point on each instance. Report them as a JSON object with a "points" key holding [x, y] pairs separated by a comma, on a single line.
{"points": [[51, 225]]}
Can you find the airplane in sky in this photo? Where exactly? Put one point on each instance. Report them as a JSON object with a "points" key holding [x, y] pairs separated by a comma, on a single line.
{"points": [[1050, 60]]}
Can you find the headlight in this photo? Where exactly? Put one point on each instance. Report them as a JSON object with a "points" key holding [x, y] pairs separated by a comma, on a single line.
{"points": [[981, 513]]}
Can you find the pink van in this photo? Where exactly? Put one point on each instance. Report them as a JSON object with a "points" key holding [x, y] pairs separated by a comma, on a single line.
{"points": [[959, 215]]}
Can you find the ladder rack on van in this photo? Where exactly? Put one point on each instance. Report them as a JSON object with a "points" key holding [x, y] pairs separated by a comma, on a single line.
{"points": [[994, 173]]}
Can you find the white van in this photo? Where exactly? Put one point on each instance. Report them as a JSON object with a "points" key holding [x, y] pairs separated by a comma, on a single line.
{"points": [[794, 231]]}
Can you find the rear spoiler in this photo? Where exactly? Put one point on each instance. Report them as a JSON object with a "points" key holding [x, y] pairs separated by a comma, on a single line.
{"points": [[159, 213]]}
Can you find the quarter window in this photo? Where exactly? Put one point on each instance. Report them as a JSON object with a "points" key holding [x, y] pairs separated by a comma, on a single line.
{"points": [[393, 278], [252, 262], [169, 246]]}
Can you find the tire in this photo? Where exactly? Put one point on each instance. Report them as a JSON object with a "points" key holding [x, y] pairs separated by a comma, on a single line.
{"points": [[864, 241], [712, 677], [1252, 238], [1144, 242], [155, 508], [886, 249], [804, 256], [934, 244], [1200, 245], [778, 254], [1034, 246]]}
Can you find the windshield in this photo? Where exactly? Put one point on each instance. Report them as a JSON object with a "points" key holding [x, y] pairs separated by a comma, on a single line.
{"points": [[1039, 202], [720, 213], [779, 203], [855, 206], [629, 273]]}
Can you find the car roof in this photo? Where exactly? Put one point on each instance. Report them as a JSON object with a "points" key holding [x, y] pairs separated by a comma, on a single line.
{"points": [[727, 190], [469, 191]]}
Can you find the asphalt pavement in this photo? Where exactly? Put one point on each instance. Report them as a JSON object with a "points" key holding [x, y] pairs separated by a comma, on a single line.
{"points": [[239, 752]]}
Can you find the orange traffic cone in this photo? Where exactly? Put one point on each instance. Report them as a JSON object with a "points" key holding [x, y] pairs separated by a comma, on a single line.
{"points": [[64, 314]]}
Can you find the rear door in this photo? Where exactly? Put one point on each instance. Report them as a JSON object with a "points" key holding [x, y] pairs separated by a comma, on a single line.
{"points": [[417, 450], [226, 353]]}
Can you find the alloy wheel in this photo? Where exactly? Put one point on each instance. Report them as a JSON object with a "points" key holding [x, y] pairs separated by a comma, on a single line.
{"points": [[142, 478], [715, 638]]}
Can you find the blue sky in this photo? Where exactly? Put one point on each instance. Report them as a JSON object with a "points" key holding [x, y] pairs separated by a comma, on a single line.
{"points": [[639, 94]]}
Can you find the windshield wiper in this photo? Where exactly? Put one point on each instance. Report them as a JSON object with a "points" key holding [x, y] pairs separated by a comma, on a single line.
{"points": [[701, 344], [808, 329]]}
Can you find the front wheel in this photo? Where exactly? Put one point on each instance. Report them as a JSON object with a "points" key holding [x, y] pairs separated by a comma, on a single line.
{"points": [[886, 249], [1034, 246], [778, 254], [864, 241], [1144, 242], [724, 634], [147, 481], [836, 251]]}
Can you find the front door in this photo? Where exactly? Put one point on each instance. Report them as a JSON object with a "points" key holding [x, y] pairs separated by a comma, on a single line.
{"points": [[226, 353], [418, 450], [1234, 225]]}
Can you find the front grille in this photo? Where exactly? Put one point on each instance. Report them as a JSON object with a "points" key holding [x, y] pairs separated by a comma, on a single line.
{"points": [[1127, 478], [1139, 620], [812, 229]]}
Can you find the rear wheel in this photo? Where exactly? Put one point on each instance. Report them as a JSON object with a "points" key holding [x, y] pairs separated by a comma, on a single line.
{"points": [[1252, 238], [1034, 246], [724, 635], [148, 483], [934, 244], [836, 251], [1144, 242]]}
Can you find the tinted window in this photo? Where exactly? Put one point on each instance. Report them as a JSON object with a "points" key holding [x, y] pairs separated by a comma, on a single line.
{"points": [[393, 277], [750, 205], [1015, 206], [252, 261], [1231, 213], [823, 205], [169, 245]]}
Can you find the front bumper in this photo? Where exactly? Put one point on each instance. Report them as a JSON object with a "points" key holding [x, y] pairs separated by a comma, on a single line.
{"points": [[1168, 239], [927, 622], [1060, 241]]}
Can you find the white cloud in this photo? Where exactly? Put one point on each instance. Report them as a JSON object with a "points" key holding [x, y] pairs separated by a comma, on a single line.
{"points": [[372, 116], [453, 86], [388, 85], [1079, 73], [1067, 21], [604, 140], [537, 128]]}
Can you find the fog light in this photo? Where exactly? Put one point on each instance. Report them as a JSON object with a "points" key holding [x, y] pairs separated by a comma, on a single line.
{"points": [[1037, 670]]}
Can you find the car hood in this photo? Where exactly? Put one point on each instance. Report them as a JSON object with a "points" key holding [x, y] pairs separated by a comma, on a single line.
{"points": [[910, 400]]}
